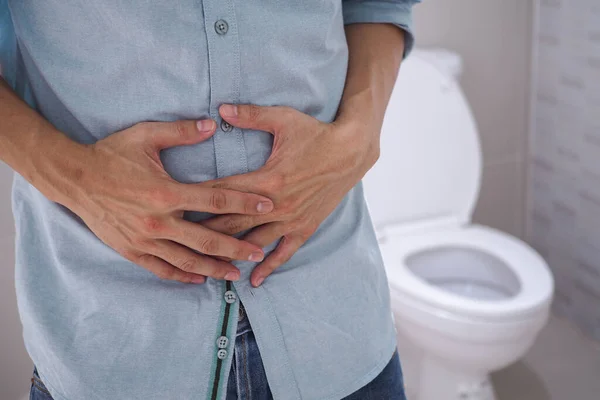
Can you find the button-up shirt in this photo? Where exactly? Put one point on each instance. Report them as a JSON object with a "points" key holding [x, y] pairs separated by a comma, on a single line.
{"points": [[98, 326]]}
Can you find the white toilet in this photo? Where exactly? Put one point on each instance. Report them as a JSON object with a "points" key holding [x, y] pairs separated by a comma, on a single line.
{"points": [[467, 299]]}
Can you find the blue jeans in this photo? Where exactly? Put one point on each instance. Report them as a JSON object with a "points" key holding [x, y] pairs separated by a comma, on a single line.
{"points": [[247, 379]]}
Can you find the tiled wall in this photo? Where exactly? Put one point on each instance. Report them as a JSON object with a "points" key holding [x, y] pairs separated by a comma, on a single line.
{"points": [[564, 201]]}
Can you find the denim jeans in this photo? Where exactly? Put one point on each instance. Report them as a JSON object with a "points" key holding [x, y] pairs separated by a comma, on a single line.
{"points": [[248, 381]]}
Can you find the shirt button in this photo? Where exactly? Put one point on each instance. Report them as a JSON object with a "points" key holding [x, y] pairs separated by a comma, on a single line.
{"points": [[221, 354], [222, 342], [230, 297], [221, 27], [226, 126]]}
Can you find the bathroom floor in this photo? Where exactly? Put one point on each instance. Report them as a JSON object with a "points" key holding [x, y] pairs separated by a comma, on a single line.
{"points": [[562, 365]]}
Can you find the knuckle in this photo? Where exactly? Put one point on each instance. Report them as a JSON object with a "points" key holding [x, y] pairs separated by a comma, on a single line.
{"points": [[181, 129], [163, 198], [218, 200], [187, 265], [254, 112], [232, 224], [159, 197], [208, 246], [151, 224]]}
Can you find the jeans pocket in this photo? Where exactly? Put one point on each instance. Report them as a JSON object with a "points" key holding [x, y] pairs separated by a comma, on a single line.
{"points": [[38, 390]]}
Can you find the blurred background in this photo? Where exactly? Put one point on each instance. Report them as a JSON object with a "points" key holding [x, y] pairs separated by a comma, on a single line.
{"points": [[531, 73]]}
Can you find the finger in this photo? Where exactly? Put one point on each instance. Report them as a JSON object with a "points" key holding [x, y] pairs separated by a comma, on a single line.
{"points": [[198, 197], [178, 133], [266, 234], [286, 248], [263, 235], [226, 259], [188, 261], [166, 271], [250, 116], [206, 241], [233, 223], [244, 182]]}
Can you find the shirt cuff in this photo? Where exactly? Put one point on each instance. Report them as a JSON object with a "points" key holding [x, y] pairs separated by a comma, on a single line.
{"points": [[382, 11]]}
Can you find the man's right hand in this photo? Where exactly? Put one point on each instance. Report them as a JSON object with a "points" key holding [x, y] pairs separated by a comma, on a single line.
{"points": [[125, 196]]}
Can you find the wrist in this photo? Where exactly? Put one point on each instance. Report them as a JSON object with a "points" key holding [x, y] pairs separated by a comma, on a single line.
{"points": [[360, 117], [361, 108], [361, 138], [57, 167]]}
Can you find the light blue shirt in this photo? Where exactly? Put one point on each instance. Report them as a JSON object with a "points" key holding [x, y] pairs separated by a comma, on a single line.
{"points": [[96, 325]]}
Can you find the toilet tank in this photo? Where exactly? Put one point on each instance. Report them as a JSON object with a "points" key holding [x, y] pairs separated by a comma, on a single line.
{"points": [[429, 170]]}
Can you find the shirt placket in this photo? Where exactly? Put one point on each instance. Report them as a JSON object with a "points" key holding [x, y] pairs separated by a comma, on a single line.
{"points": [[225, 341], [230, 155]]}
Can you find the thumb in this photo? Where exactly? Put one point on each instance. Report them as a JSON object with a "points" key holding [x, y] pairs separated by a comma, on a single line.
{"points": [[183, 132], [250, 116]]}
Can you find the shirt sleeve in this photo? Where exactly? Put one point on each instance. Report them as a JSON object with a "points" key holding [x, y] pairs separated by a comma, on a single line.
{"points": [[397, 12], [7, 44], [9, 66]]}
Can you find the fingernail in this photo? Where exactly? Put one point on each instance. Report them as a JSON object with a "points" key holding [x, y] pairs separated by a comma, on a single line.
{"points": [[256, 256], [205, 125], [232, 276], [229, 110], [259, 281], [264, 207], [198, 279]]}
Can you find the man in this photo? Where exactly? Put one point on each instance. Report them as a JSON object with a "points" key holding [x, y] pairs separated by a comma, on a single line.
{"points": [[180, 159]]}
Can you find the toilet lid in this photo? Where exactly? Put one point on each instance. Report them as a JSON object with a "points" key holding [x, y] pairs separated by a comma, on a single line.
{"points": [[535, 283], [430, 162]]}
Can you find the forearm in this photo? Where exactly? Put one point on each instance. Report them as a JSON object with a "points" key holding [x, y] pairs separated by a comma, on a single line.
{"points": [[36, 150], [375, 54]]}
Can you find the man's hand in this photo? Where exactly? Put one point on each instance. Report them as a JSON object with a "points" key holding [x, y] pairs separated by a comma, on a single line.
{"points": [[125, 196], [314, 164], [312, 167]]}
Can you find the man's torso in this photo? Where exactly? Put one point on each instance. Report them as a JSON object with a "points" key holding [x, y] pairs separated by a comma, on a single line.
{"points": [[91, 318]]}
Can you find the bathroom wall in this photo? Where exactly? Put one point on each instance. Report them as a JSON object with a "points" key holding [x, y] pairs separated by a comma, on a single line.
{"points": [[564, 201], [494, 39]]}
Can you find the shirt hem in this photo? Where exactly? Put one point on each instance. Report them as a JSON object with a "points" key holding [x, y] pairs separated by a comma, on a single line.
{"points": [[340, 394], [366, 379], [56, 395]]}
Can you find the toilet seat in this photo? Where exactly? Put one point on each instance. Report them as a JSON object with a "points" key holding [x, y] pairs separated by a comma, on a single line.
{"points": [[535, 280]]}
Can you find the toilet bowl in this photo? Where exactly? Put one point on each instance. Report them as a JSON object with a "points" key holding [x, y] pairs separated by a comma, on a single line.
{"points": [[467, 299]]}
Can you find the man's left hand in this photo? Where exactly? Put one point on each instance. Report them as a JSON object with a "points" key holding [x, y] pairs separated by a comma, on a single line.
{"points": [[312, 167]]}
